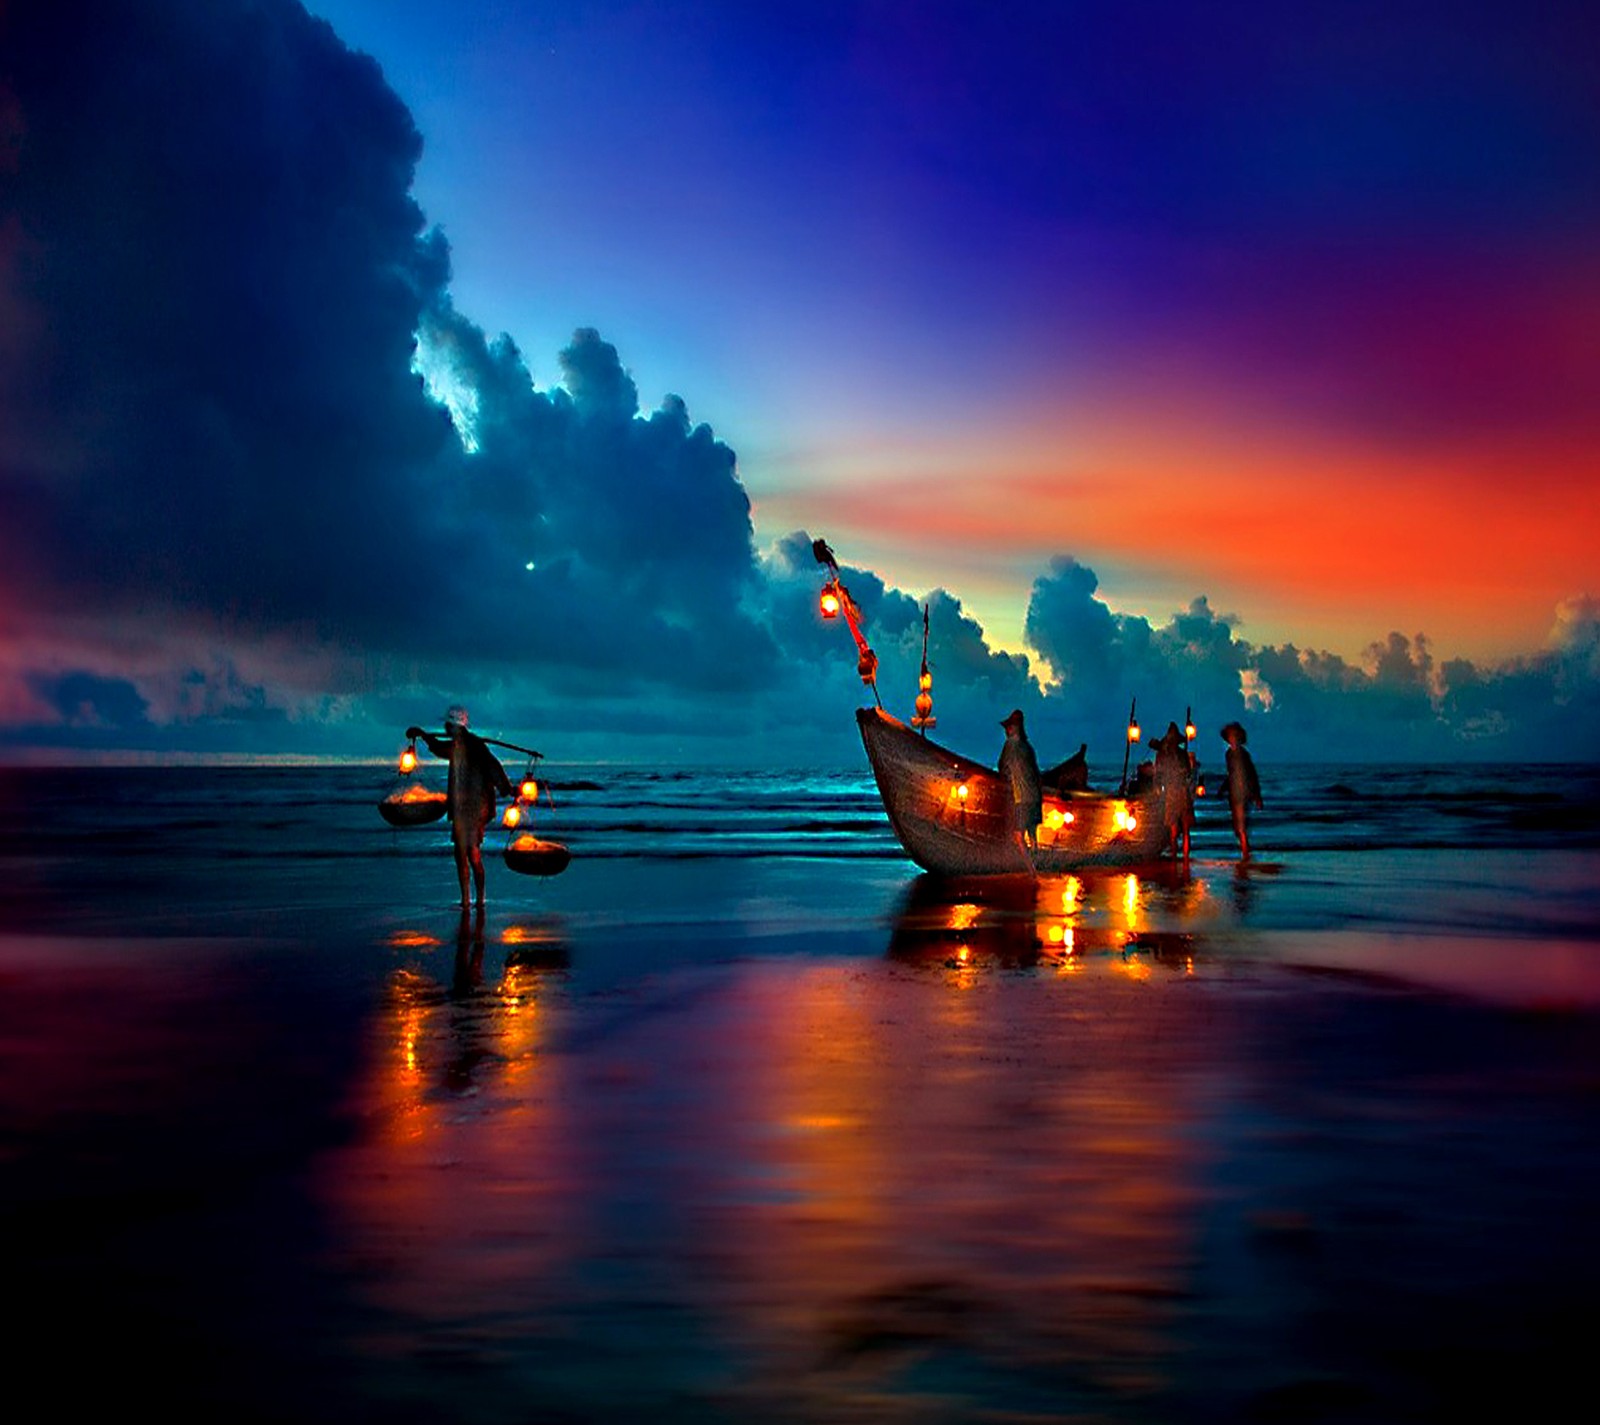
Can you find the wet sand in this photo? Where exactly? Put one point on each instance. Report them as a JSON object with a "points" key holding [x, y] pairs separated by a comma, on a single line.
{"points": [[812, 1143]]}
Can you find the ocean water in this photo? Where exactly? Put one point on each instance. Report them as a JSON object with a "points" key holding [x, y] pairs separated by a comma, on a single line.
{"points": [[178, 849], [741, 1117]]}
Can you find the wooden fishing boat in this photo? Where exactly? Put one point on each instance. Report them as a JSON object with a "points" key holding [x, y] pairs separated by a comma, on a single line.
{"points": [[953, 815]]}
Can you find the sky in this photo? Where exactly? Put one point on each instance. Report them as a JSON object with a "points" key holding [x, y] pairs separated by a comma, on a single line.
{"points": [[361, 359]]}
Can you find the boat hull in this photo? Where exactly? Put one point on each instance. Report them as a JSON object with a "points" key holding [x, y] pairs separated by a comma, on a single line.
{"points": [[954, 818]]}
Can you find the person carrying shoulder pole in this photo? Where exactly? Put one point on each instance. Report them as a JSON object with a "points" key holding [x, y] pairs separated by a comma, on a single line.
{"points": [[475, 777]]}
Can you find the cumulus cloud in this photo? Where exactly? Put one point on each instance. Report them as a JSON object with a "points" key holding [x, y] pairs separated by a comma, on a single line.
{"points": [[1397, 703]]}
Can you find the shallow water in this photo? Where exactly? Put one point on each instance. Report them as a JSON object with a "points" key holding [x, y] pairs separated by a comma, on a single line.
{"points": [[735, 1121]]}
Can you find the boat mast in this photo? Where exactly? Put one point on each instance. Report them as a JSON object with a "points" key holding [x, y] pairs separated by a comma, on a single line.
{"points": [[1133, 736]]}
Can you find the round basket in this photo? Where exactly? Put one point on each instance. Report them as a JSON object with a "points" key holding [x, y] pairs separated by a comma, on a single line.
{"points": [[533, 857], [401, 809]]}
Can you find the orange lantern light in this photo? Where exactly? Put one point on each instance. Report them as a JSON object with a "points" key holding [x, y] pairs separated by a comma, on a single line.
{"points": [[1188, 731], [529, 790], [513, 815], [830, 604], [1133, 732], [961, 791], [408, 762]]}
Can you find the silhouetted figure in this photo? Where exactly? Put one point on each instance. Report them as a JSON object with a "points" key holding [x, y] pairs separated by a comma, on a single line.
{"points": [[1071, 775], [1020, 768], [475, 776], [1244, 787], [1173, 784], [823, 554]]}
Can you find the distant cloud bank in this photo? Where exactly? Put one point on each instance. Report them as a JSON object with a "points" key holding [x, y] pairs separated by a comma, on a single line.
{"points": [[262, 487]]}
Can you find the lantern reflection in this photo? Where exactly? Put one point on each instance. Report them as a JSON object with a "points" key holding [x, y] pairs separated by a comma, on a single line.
{"points": [[1130, 901], [1013, 922]]}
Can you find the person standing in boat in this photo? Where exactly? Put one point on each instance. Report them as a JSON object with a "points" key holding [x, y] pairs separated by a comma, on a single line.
{"points": [[1020, 768], [1244, 786], [475, 776]]}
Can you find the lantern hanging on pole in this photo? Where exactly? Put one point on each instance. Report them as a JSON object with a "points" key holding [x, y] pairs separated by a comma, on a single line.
{"points": [[836, 600], [408, 760], [924, 717], [1133, 737]]}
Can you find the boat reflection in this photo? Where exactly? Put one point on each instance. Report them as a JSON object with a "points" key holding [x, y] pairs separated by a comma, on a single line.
{"points": [[1016, 921]]}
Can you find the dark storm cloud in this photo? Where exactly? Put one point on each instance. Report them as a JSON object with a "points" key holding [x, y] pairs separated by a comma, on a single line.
{"points": [[211, 427], [218, 270]]}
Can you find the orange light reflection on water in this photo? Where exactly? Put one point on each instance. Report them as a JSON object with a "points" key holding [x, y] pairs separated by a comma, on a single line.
{"points": [[832, 1155]]}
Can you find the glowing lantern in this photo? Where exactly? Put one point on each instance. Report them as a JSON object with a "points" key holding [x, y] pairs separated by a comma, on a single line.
{"points": [[830, 604], [961, 791], [924, 707], [1055, 819], [925, 680], [1133, 731], [513, 815], [408, 761], [1188, 731], [529, 790]]}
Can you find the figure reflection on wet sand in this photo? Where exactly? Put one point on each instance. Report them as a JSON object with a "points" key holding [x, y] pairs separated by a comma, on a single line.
{"points": [[1016, 921], [469, 953]]}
